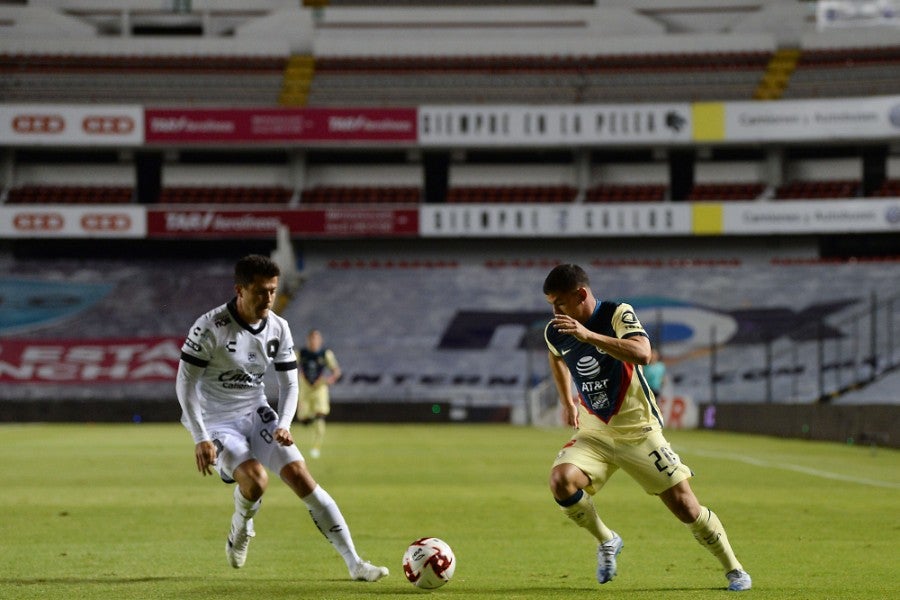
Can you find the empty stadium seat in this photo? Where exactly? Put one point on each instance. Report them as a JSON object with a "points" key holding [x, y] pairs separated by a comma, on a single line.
{"points": [[224, 195], [836, 72], [802, 190], [726, 191], [69, 194], [436, 291], [405, 80], [511, 194], [361, 195], [205, 80], [626, 193], [890, 188]]}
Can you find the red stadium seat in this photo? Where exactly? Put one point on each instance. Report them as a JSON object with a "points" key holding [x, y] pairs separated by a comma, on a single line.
{"points": [[361, 195], [726, 191], [225, 195], [69, 194], [626, 193], [802, 190], [511, 194]]}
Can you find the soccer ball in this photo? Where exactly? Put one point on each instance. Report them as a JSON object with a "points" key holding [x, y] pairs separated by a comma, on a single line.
{"points": [[429, 563]]}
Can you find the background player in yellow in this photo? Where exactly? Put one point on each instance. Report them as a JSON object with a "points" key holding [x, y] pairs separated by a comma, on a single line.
{"points": [[600, 347], [319, 369]]}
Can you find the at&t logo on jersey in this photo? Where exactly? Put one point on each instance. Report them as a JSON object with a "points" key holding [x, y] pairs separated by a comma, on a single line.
{"points": [[593, 390], [588, 366]]}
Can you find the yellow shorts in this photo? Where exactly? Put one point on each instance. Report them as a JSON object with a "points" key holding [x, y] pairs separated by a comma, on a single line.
{"points": [[649, 459], [313, 401]]}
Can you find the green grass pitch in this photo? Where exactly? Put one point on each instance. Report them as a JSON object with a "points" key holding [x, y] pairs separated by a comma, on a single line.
{"points": [[119, 512]]}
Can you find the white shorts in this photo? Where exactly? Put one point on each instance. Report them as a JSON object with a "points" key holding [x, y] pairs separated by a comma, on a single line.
{"points": [[247, 437]]}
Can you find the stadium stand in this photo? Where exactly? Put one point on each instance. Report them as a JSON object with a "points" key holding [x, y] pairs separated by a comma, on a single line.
{"points": [[726, 191], [482, 194], [626, 193], [49, 194], [361, 195], [503, 286], [459, 315], [836, 72], [502, 194], [156, 80], [815, 190], [890, 188], [411, 80], [511, 194], [587, 53], [381, 81], [409, 55], [225, 195]]}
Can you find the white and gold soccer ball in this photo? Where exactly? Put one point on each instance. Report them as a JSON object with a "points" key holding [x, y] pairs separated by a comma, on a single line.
{"points": [[429, 563]]}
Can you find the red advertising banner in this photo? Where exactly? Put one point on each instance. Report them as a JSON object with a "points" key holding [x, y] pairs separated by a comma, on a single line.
{"points": [[186, 125], [340, 222], [89, 361]]}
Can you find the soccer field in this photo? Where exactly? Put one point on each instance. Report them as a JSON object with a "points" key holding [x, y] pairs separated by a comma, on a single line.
{"points": [[119, 512]]}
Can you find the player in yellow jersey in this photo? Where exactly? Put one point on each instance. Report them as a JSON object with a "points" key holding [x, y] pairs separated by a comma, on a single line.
{"points": [[600, 346], [318, 369]]}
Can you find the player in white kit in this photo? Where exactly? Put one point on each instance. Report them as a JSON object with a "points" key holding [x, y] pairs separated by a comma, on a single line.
{"points": [[236, 432]]}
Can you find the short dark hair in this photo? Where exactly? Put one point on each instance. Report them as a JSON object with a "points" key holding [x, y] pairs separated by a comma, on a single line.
{"points": [[248, 268], [565, 278]]}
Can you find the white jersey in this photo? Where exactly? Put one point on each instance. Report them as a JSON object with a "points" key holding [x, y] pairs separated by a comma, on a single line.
{"points": [[235, 356]]}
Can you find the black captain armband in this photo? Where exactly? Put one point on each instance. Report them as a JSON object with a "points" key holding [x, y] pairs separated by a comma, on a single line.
{"points": [[286, 366], [193, 360]]}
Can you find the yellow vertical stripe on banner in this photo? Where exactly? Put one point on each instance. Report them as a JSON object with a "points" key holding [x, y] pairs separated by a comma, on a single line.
{"points": [[707, 219], [709, 121]]}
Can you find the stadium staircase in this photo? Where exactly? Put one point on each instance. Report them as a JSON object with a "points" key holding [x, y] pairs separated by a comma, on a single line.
{"points": [[298, 76], [778, 73]]}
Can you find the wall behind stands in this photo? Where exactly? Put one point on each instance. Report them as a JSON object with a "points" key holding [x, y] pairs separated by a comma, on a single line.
{"points": [[65, 410], [876, 425], [429, 31]]}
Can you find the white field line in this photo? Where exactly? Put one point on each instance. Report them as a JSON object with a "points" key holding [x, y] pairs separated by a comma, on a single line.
{"points": [[796, 468]]}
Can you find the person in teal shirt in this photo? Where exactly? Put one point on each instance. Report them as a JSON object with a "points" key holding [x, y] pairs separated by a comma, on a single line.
{"points": [[655, 373]]}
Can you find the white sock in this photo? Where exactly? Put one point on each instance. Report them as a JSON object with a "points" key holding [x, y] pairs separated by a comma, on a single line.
{"points": [[328, 518], [243, 507]]}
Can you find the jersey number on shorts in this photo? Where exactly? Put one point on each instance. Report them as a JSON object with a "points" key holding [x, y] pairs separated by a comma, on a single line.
{"points": [[665, 460], [266, 415]]}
